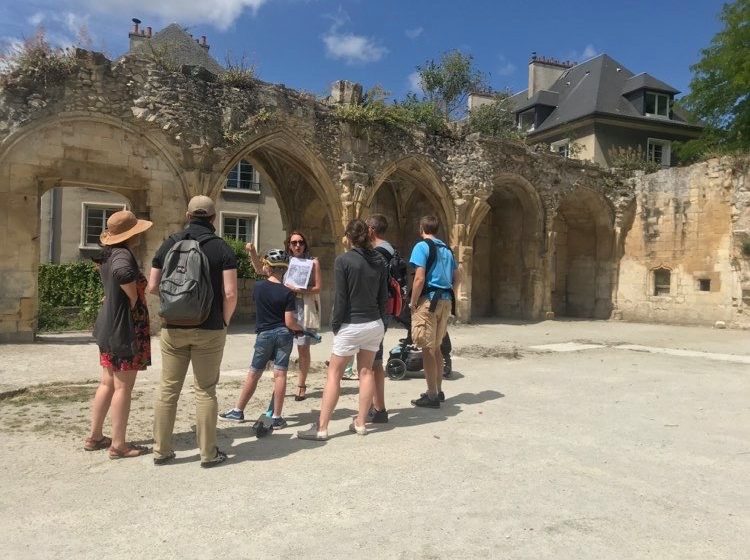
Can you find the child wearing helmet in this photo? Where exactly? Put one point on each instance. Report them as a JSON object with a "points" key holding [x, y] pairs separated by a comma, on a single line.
{"points": [[275, 323]]}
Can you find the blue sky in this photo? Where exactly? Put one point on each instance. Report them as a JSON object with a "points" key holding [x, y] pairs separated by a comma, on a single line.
{"points": [[307, 44]]}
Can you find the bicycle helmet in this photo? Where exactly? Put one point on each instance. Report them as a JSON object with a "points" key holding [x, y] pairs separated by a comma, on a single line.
{"points": [[276, 257]]}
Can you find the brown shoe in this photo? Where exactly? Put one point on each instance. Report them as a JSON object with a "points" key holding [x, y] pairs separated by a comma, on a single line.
{"points": [[129, 451], [91, 444]]}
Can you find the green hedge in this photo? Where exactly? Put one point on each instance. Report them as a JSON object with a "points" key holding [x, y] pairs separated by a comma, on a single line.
{"points": [[64, 286], [244, 266]]}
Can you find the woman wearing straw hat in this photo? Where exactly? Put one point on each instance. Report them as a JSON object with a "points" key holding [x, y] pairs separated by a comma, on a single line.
{"points": [[122, 334]]}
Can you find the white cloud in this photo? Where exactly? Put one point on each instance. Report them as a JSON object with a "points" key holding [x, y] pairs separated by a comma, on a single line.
{"points": [[589, 52], [351, 48], [579, 56], [36, 18], [414, 33], [415, 82], [218, 13], [505, 68]]}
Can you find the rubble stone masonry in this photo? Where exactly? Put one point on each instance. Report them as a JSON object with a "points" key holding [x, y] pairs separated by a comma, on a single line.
{"points": [[536, 235]]}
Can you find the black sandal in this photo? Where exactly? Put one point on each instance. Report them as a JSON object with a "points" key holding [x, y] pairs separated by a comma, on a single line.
{"points": [[301, 396]]}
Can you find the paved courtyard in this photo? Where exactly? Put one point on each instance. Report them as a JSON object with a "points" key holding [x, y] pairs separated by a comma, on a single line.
{"points": [[560, 439]]}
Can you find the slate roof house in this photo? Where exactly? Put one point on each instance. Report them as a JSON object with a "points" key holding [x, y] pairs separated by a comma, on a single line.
{"points": [[73, 217], [598, 105]]}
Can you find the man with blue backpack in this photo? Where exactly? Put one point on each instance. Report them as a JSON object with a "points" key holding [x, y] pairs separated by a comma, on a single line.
{"points": [[432, 302], [195, 274]]}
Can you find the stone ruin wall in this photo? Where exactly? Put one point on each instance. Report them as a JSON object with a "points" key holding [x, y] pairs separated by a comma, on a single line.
{"points": [[158, 137], [691, 221]]}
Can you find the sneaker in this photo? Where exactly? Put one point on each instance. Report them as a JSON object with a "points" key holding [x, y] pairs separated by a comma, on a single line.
{"points": [[313, 434], [233, 415], [426, 402], [218, 460], [376, 416], [441, 396], [165, 459], [278, 423], [359, 430]]}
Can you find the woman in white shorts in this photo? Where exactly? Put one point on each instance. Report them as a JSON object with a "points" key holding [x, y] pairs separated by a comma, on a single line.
{"points": [[360, 294]]}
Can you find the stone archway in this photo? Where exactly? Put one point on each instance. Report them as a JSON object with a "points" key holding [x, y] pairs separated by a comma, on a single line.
{"points": [[507, 266], [75, 150], [405, 191], [582, 258], [307, 199]]}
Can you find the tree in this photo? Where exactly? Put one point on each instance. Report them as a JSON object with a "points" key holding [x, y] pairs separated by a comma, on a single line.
{"points": [[720, 88], [495, 118], [447, 83]]}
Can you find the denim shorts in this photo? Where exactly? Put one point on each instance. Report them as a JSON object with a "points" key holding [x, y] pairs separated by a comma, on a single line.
{"points": [[275, 345]]}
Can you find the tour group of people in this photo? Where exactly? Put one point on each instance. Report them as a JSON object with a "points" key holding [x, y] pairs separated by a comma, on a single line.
{"points": [[287, 315]]}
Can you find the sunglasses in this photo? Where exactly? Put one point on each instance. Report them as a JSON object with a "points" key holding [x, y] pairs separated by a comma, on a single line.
{"points": [[300, 242]]}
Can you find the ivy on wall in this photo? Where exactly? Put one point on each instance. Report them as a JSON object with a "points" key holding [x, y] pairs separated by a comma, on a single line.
{"points": [[69, 296]]}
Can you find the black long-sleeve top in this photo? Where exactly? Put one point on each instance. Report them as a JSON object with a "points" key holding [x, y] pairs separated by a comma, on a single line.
{"points": [[360, 287]]}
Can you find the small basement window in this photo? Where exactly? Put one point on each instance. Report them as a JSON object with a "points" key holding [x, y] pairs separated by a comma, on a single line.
{"points": [[704, 285], [662, 281]]}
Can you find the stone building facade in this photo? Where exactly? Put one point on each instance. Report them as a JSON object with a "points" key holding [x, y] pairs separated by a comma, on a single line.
{"points": [[536, 235]]}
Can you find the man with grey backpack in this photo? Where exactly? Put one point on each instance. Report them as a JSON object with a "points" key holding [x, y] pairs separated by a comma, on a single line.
{"points": [[195, 274]]}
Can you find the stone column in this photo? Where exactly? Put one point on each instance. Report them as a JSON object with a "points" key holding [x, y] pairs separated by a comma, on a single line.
{"points": [[549, 279], [470, 211], [355, 187]]}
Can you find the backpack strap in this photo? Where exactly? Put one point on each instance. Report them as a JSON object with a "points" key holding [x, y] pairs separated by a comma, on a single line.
{"points": [[431, 260], [386, 255]]}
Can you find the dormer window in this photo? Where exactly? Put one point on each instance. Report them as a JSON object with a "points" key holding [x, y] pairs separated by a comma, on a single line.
{"points": [[656, 104], [526, 120]]}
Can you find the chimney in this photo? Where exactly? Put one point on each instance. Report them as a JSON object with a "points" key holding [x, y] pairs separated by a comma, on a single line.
{"points": [[544, 71], [137, 35], [204, 43]]}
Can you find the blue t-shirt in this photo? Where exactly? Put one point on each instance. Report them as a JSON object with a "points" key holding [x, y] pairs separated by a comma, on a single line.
{"points": [[272, 300], [441, 273]]}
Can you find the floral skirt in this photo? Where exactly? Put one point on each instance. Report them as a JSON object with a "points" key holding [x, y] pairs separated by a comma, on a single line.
{"points": [[142, 357]]}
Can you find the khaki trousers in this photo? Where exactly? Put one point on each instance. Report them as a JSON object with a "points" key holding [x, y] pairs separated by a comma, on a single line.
{"points": [[180, 347]]}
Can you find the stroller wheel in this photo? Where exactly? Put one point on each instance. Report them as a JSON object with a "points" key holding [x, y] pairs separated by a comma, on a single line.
{"points": [[396, 369]]}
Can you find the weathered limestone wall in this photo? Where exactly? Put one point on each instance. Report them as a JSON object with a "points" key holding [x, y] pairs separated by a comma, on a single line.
{"points": [[691, 222]]}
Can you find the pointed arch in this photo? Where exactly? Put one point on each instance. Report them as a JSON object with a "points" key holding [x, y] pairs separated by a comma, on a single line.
{"points": [[421, 173]]}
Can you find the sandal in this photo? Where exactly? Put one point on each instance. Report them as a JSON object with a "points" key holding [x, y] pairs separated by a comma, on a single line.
{"points": [[91, 444], [130, 451], [301, 396]]}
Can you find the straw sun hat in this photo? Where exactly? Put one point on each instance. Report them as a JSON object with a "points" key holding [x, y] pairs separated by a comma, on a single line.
{"points": [[121, 226]]}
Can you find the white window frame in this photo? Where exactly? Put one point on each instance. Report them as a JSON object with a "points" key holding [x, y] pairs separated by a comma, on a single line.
{"points": [[658, 96], [246, 215], [564, 143], [666, 151], [84, 219], [256, 179], [526, 112]]}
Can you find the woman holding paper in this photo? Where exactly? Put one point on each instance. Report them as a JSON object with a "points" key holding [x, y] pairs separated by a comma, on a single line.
{"points": [[304, 278]]}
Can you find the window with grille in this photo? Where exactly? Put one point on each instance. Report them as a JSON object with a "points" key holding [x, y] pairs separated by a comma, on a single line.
{"points": [[95, 222], [659, 151], [243, 177], [241, 228]]}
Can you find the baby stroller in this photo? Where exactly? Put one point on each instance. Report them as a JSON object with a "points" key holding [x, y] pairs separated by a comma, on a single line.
{"points": [[406, 357]]}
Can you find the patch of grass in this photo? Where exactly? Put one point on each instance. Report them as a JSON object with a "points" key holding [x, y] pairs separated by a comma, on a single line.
{"points": [[50, 394]]}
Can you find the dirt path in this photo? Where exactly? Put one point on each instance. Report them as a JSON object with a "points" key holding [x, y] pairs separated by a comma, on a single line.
{"points": [[592, 453]]}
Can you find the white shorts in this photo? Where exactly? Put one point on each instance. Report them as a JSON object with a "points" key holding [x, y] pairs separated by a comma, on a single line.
{"points": [[353, 337]]}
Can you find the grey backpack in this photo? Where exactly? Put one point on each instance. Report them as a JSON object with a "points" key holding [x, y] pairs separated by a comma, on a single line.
{"points": [[185, 289]]}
